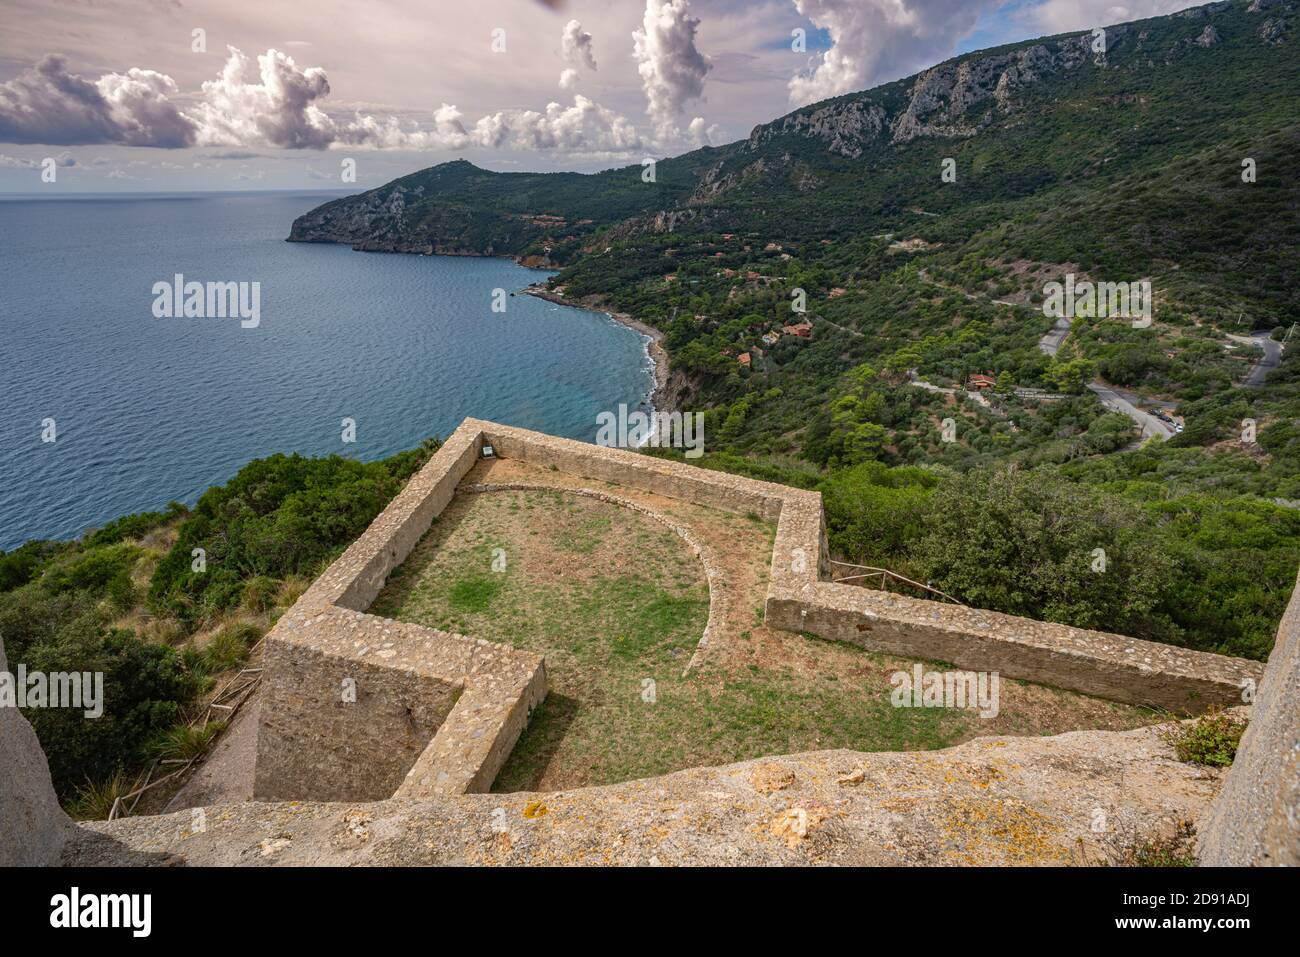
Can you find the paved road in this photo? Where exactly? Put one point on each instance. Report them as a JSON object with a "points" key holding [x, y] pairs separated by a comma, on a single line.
{"points": [[1117, 402], [1269, 361], [1051, 343]]}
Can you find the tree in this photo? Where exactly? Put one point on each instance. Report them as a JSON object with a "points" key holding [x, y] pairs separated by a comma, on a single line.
{"points": [[1035, 544]]}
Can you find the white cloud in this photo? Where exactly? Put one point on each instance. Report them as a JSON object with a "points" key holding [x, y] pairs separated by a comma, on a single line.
{"points": [[702, 135], [873, 41], [47, 104], [279, 111], [364, 130], [1059, 16], [576, 46], [585, 126], [568, 79], [672, 69], [64, 159]]}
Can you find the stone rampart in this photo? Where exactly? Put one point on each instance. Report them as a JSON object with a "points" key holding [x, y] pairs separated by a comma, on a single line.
{"points": [[1256, 818]]}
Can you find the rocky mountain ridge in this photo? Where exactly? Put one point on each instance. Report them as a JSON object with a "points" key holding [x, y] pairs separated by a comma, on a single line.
{"points": [[458, 209]]}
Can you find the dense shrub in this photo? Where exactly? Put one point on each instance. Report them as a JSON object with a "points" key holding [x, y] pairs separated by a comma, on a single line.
{"points": [[874, 512], [1034, 544], [279, 516], [1211, 740], [145, 689]]}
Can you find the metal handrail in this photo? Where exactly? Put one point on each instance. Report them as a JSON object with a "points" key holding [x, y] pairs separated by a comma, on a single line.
{"points": [[885, 574]]}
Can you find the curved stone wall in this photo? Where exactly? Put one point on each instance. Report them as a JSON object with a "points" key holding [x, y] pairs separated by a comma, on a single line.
{"points": [[709, 561]]}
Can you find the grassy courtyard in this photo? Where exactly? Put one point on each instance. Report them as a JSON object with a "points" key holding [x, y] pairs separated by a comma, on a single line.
{"points": [[617, 603]]}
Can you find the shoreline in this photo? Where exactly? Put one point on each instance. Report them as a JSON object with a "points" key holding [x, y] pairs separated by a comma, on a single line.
{"points": [[660, 368], [658, 355]]}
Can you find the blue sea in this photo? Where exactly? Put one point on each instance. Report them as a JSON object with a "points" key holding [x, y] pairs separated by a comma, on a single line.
{"points": [[149, 409]]}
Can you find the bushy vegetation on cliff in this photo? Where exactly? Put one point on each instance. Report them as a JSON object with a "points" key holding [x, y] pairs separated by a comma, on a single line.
{"points": [[127, 601], [1212, 572], [279, 516]]}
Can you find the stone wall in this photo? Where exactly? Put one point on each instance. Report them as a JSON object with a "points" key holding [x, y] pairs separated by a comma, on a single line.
{"points": [[33, 828], [731, 493], [1092, 662], [358, 707], [448, 714], [800, 598], [340, 728], [1256, 819]]}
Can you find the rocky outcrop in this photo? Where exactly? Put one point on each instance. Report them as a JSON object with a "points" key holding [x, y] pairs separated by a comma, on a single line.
{"points": [[846, 126], [1209, 37], [33, 827], [943, 99], [1067, 799], [955, 99], [1209, 10], [1273, 30], [373, 218], [1256, 819]]}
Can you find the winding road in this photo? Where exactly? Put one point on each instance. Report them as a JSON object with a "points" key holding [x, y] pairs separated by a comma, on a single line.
{"points": [[1266, 363], [1118, 401]]}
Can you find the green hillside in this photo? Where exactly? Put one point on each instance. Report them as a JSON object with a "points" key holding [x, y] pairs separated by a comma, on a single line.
{"points": [[1119, 166]]}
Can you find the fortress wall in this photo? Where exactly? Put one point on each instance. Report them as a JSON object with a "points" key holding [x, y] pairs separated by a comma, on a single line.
{"points": [[731, 493], [473, 744], [1256, 817], [801, 599], [1092, 662], [416, 737], [312, 744], [387, 542], [800, 555]]}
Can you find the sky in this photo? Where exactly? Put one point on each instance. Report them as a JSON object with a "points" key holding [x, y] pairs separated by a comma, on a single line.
{"points": [[162, 95]]}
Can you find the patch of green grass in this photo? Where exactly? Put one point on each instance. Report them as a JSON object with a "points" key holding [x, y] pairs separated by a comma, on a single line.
{"points": [[183, 742], [584, 538], [474, 593], [229, 647], [94, 801]]}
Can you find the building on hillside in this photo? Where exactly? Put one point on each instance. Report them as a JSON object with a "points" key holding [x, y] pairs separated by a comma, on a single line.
{"points": [[772, 338], [982, 382], [743, 359], [801, 329]]}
